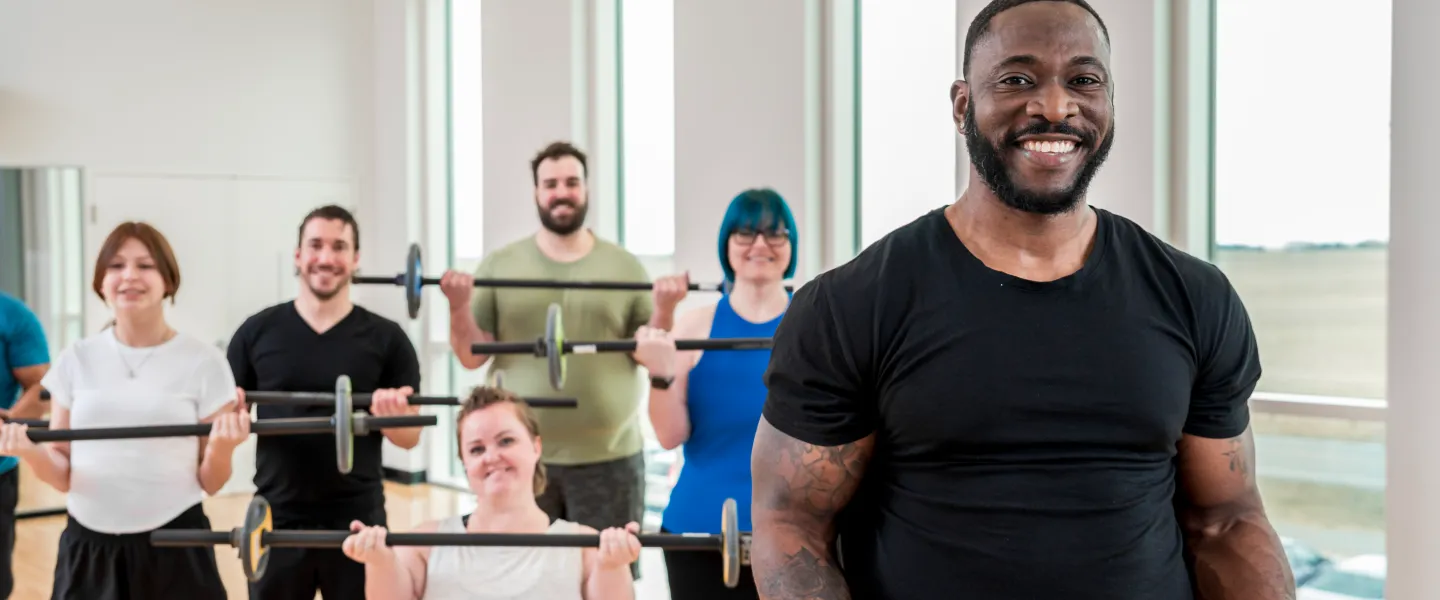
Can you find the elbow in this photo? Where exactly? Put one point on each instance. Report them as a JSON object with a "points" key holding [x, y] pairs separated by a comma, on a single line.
{"points": [[669, 440], [669, 435], [1204, 524]]}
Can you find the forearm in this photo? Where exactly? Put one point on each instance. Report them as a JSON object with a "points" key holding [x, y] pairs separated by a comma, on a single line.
{"points": [[792, 560], [610, 584], [662, 318], [28, 406], [51, 466], [1240, 558], [463, 333], [669, 416], [388, 580], [407, 438], [215, 470]]}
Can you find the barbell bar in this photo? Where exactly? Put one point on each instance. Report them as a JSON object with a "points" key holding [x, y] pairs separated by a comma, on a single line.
{"points": [[552, 346], [360, 400], [256, 536], [412, 281], [345, 424]]}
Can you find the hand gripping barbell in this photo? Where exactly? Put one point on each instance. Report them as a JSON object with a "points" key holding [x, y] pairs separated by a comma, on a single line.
{"points": [[256, 536], [553, 346], [412, 280], [345, 424]]}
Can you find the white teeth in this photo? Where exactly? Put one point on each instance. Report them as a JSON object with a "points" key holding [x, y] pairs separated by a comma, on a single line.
{"points": [[1057, 147]]}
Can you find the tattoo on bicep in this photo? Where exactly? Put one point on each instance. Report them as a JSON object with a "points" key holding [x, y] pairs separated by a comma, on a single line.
{"points": [[818, 479], [1236, 453]]}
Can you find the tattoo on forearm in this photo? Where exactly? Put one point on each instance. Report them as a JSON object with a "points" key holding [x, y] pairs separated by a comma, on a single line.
{"points": [[805, 576]]}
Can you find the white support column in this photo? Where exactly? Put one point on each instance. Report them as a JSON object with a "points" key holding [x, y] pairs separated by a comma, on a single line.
{"points": [[1412, 512], [741, 111]]}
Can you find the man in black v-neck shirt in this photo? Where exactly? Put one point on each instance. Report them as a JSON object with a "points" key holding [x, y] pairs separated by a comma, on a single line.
{"points": [[1017, 395], [303, 346]]}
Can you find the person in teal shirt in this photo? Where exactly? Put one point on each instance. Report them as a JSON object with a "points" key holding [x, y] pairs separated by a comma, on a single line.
{"points": [[25, 355]]}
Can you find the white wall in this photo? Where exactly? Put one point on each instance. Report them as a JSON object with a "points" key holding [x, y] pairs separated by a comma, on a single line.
{"points": [[740, 117], [222, 123]]}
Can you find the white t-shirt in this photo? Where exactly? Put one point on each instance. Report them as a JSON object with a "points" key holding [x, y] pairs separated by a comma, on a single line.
{"points": [[135, 485]]}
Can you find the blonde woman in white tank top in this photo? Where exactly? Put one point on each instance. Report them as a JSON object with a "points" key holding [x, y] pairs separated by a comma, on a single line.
{"points": [[500, 449]]}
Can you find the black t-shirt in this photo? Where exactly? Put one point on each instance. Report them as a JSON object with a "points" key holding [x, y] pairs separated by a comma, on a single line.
{"points": [[1025, 431], [276, 350]]}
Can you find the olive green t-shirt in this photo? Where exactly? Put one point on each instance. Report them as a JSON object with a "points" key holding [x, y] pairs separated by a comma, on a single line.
{"points": [[608, 386]]}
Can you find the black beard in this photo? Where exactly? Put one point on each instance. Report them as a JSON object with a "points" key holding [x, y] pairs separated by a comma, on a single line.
{"points": [[991, 166], [577, 217]]}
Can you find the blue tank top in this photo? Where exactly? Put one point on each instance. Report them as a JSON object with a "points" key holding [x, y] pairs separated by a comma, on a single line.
{"points": [[724, 394]]}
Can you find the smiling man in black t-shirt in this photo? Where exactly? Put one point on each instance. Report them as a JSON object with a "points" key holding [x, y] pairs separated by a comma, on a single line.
{"points": [[303, 346], [1016, 395]]}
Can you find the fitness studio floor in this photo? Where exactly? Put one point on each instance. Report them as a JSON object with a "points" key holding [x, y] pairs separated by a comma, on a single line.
{"points": [[36, 539]]}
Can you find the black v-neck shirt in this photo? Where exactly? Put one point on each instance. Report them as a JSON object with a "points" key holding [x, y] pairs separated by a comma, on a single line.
{"points": [[1025, 431], [275, 349]]}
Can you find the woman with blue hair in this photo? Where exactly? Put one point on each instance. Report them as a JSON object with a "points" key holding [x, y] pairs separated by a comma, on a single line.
{"points": [[710, 401]]}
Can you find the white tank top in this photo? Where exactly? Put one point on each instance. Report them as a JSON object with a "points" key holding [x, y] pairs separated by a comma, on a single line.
{"points": [[504, 573]]}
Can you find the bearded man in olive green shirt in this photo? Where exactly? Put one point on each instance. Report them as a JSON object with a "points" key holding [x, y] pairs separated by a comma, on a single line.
{"points": [[592, 454]]}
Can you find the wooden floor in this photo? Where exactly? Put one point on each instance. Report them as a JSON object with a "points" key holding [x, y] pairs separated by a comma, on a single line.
{"points": [[36, 539]]}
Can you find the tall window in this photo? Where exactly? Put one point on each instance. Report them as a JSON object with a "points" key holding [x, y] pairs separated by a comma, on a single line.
{"points": [[1302, 139], [647, 133], [465, 139], [907, 138]]}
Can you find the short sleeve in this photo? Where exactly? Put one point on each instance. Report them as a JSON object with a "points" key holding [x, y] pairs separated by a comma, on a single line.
{"points": [[817, 390], [402, 365], [237, 354], [25, 341], [642, 304], [59, 379], [482, 302], [1229, 365], [216, 384]]}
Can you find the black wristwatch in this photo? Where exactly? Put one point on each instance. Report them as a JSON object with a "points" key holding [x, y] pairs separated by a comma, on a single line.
{"points": [[662, 383]]}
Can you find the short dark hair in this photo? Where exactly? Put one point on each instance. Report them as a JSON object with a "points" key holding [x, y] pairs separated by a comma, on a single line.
{"points": [[331, 212], [981, 25], [557, 150]]}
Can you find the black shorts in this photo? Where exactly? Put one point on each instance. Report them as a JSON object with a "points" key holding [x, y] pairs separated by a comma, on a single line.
{"points": [[9, 496], [91, 565], [601, 495], [297, 573], [700, 576]]}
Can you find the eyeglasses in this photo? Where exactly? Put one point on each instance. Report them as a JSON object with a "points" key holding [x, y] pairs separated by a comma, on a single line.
{"points": [[746, 237]]}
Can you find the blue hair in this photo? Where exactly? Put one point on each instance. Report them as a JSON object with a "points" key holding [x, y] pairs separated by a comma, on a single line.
{"points": [[760, 209]]}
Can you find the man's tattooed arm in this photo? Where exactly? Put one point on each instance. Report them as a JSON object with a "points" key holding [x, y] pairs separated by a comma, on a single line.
{"points": [[1236, 553], [798, 489]]}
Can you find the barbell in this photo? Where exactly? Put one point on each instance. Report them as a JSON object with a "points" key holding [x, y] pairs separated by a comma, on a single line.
{"points": [[360, 400], [412, 281], [553, 346], [345, 424], [256, 536]]}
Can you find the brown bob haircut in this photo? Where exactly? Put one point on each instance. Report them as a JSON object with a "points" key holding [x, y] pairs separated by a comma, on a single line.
{"points": [[483, 397], [154, 242]]}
